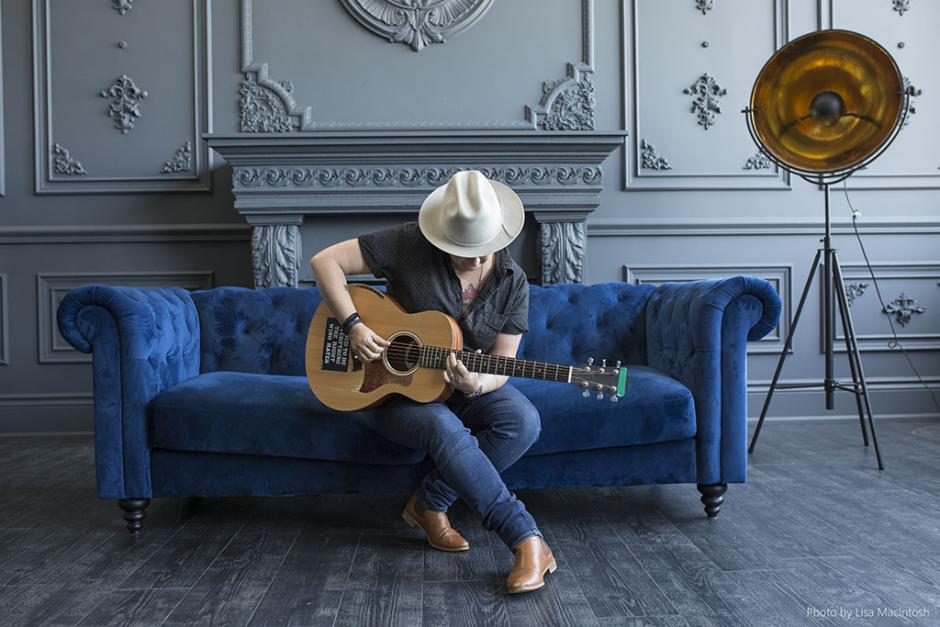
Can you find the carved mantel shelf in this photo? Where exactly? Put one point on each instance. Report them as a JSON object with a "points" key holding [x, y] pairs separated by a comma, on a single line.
{"points": [[278, 179]]}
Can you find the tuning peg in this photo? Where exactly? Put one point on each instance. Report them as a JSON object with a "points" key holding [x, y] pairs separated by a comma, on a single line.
{"points": [[603, 363], [617, 365], [600, 396], [590, 361], [613, 398], [585, 394]]}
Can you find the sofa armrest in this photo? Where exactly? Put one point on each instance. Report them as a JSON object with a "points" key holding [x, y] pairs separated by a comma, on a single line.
{"points": [[144, 341], [697, 333]]}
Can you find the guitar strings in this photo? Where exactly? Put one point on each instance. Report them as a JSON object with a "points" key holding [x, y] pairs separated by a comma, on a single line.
{"points": [[403, 352]]}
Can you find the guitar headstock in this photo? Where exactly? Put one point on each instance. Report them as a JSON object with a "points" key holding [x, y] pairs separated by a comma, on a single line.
{"points": [[599, 380]]}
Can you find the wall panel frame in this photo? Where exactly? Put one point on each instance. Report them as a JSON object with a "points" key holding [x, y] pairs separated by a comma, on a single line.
{"points": [[663, 177], [47, 181]]}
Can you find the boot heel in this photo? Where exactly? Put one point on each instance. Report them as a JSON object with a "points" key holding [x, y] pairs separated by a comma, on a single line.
{"points": [[552, 567], [408, 519]]}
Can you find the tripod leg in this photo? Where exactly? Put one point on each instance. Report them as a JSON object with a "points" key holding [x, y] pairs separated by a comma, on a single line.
{"points": [[843, 304], [853, 340], [783, 353]]}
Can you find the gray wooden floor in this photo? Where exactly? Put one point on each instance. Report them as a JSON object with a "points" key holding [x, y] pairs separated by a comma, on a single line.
{"points": [[816, 528]]}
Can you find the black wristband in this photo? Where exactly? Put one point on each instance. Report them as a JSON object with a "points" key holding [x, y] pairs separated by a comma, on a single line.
{"points": [[348, 323]]}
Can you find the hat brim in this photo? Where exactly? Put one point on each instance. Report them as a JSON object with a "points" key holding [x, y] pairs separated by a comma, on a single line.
{"points": [[513, 220]]}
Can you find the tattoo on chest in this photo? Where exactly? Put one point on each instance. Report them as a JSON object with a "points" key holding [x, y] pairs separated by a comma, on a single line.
{"points": [[469, 293]]}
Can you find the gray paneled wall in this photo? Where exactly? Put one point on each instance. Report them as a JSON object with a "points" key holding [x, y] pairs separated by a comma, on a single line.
{"points": [[106, 177]]}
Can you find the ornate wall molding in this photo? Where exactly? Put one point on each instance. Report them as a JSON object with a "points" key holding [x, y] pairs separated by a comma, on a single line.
{"points": [[63, 163], [652, 160], [268, 106], [124, 98], [567, 104], [643, 117], [903, 308], [279, 180], [913, 92], [122, 6], [853, 291], [900, 6], [145, 175], [182, 161], [916, 170], [417, 24], [874, 334], [759, 161], [262, 110], [562, 251], [277, 176], [275, 254], [706, 99], [704, 5]]}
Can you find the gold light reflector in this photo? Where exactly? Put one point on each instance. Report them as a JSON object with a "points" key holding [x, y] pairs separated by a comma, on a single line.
{"points": [[827, 101]]}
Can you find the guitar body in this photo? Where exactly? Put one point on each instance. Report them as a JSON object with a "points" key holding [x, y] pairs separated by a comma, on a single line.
{"points": [[344, 383]]}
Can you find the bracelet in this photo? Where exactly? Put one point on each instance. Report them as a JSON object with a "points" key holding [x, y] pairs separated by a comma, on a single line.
{"points": [[472, 395], [348, 323]]}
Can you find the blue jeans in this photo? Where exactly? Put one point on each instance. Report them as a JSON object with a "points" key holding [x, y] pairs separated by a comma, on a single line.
{"points": [[470, 443]]}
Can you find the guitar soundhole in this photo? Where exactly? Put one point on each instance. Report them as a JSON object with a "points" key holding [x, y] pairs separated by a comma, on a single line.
{"points": [[403, 354]]}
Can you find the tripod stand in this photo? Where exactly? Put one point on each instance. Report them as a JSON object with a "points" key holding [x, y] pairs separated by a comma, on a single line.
{"points": [[832, 282]]}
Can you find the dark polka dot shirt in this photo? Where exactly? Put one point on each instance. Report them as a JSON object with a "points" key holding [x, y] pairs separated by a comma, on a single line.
{"points": [[420, 277]]}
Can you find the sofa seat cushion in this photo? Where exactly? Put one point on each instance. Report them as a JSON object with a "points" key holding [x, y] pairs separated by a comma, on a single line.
{"points": [[655, 408], [262, 414]]}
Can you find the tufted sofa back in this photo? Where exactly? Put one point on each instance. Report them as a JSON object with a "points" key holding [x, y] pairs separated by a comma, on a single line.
{"points": [[570, 322], [265, 330]]}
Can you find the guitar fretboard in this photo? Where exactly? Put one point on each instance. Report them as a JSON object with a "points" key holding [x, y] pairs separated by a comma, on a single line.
{"points": [[435, 357]]}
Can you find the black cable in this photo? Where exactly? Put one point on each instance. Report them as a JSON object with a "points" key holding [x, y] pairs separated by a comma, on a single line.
{"points": [[896, 342]]}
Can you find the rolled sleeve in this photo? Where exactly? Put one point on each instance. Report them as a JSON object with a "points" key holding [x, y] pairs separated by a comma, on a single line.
{"points": [[383, 250]]}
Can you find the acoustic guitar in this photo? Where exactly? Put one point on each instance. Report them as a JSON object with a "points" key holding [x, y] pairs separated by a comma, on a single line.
{"points": [[410, 365]]}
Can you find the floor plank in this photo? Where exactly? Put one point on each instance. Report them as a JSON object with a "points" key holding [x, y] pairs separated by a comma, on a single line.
{"points": [[816, 527]]}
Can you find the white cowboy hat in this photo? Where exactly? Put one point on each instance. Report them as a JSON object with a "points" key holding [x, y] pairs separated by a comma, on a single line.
{"points": [[471, 215]]}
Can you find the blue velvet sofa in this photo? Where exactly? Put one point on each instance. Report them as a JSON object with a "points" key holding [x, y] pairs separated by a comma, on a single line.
{"points": [[204, 393]]}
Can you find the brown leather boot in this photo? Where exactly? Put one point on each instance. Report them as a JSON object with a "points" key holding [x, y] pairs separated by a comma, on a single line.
{"points": [[435, 525], [533, 558]]}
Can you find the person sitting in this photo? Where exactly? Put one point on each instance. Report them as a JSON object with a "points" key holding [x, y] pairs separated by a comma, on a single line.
{"points": [[455, 259]]}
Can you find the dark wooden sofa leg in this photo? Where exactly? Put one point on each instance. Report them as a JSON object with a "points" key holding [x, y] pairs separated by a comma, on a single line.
{"points": [[713, 495], [135, 510]]}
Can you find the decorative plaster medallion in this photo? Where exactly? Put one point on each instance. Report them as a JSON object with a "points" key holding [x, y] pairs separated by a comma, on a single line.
{"points": [[650, 159], [853, 291], [408, 177], [125, 97], [704, 5], [417, 23], [759, 161], [63, 163], [122, 6], [912, 92], [903, 307], [182, 161], [705, 102], [901, 6]]}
